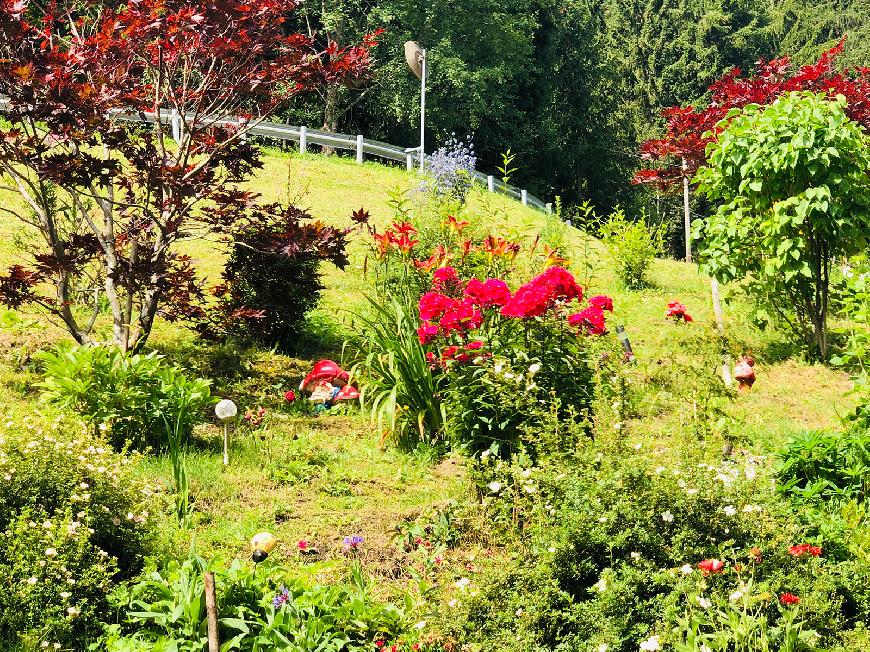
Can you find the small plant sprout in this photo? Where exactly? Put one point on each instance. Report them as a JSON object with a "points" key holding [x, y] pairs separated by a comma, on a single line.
{"points": [[226, 411]]}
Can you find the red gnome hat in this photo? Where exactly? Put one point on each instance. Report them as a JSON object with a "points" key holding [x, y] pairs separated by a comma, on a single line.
{"points": [[325, 370]]}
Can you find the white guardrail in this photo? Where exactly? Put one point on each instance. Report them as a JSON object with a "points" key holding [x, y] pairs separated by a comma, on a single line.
{"points": [[362, 146]]}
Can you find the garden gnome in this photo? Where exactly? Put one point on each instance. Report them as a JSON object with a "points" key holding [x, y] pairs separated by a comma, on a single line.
{"points": [[327, 383], [744, 373]]}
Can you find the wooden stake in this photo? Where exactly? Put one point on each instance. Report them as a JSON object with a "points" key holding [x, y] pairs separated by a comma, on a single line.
{"points": [[214, 643], [687, 215], [226, 443], [720, 324]]}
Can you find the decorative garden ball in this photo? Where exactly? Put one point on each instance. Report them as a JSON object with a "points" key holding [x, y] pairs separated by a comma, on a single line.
{"points": [[226, 411], [262, 544]]}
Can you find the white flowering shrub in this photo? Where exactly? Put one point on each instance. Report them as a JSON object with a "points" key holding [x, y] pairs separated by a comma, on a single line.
{"points": [[73, 522], [620, 556]]}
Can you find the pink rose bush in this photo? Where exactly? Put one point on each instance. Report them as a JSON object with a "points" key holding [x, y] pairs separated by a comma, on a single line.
{"points": [[506, 356]]}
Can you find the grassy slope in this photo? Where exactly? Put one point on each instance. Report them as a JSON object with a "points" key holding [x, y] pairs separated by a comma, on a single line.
{"points": [[321, 479]]}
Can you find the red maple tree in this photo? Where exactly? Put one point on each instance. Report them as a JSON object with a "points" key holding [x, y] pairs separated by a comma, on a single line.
{"points": [[689, 130], [111, 199]]}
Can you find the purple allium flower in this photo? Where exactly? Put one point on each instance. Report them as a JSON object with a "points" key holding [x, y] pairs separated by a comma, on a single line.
{"points": [[451, 169], [352, 542], [281, 598]]}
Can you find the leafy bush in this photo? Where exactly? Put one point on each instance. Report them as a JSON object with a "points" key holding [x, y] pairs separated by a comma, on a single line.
{"points": [[72, 523], [793, 192], [633, 246], [615, 555], [471, 363], [271, 279], [824, 465], [510, 357], [135, 399], [264, 610]]}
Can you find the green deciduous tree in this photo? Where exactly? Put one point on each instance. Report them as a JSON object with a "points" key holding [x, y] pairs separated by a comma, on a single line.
{"points": [[793, 192]]}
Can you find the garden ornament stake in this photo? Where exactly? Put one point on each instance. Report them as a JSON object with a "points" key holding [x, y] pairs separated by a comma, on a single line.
{"points": [[226, 411], [744, 373], [628, 354], [262, 544]]}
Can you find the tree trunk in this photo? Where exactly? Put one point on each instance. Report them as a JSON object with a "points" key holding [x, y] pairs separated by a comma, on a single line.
{"points": [[330, 114]]}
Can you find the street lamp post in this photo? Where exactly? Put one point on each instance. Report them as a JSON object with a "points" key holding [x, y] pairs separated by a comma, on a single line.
{"points": [[416, 58]]}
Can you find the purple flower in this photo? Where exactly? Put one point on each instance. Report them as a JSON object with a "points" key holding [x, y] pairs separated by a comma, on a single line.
{"points": [[352, 542], [281, 598], [451, 169]]}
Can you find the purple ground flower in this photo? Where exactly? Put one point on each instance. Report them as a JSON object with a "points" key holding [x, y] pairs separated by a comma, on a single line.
{"points": [[281, 598], [352, 542]]}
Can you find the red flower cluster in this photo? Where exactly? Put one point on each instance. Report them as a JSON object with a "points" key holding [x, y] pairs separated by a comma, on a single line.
{"points": [[399, 236], [542, 292], [381, 646], [461, 316], [452, 315], [433, 304], [678, 311], [457, 315], [461, 354], [804, 549], [789, 599], [446, 280], [442, 314], [427, 333], [591, 319], [489, 293], [711, 566], [602, 301]]}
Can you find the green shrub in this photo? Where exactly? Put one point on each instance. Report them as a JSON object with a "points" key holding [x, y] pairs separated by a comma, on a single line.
{"points": [[824, 465], [271, 279], [134, 399], [633, 246], [851, 296], [267, 609], [73, 521], [528, 377]]}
